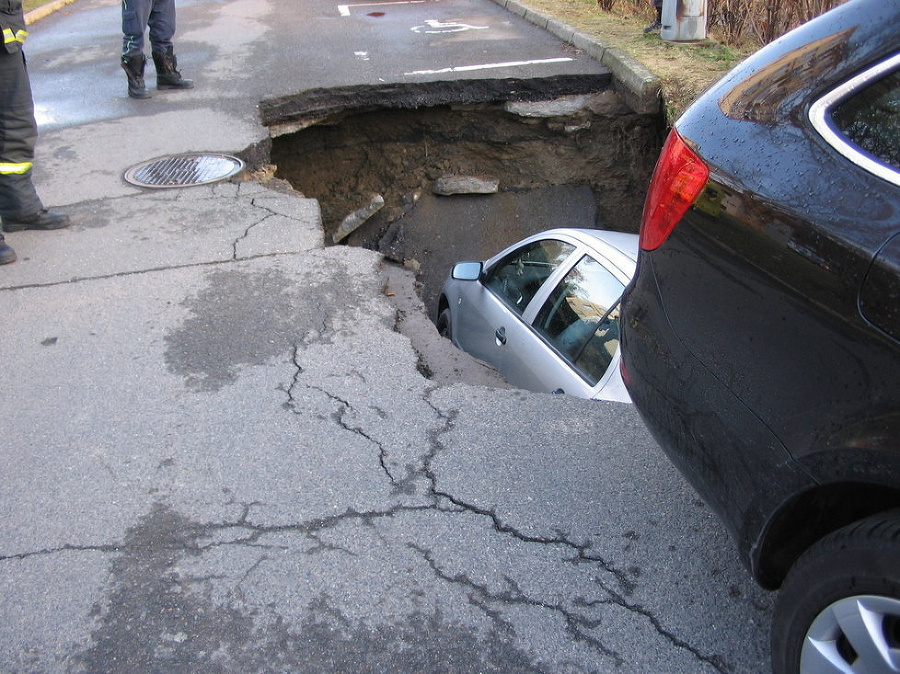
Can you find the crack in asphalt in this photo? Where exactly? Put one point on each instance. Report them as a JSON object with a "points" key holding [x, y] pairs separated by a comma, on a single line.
{"points": [[581, 551], [582, 556], [251, 199], [138, 272], [244, 532], [514, 596], [577, 625], [715, 661], [340, 418], [157, 616], [235, 256], [481, 596], [344, 406]]}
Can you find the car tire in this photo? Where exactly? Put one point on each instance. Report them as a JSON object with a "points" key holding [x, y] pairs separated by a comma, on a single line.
{"points": [[443, 324], [840, 603]]}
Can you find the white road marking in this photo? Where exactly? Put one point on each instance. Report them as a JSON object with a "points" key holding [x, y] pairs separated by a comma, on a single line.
{"points": [[345, 9], [438, 27], [489, 66]]}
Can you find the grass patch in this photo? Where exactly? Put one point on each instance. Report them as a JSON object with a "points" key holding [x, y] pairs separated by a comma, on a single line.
{"points": [[28, 5], [685, 69]]}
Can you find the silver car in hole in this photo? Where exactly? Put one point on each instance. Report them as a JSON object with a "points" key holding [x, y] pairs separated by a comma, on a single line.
{"points": [[545, 311]]}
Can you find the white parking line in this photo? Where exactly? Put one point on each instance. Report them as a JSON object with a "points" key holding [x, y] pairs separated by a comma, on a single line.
{"points": [[345, 9], [488, 66]]}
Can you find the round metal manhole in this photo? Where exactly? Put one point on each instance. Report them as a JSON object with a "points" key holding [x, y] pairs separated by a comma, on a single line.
{"points": [[183, 170]]}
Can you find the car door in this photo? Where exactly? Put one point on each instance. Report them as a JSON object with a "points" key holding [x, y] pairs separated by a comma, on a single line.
{"points": [[490, 312], [573, 332]]}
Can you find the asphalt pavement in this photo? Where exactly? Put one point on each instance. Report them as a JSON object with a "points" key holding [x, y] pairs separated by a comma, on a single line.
{"points": [[220, 453]]}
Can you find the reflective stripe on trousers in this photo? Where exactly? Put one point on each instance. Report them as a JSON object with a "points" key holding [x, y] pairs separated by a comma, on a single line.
{"points": [[19, 36], [7, 169]]}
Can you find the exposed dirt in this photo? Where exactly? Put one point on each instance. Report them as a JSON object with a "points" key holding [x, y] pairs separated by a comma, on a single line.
{"points": [[575, 161], [395, 153]]}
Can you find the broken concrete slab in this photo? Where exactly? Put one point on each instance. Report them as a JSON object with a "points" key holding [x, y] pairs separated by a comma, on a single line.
{"points": [[358, 218], [450, 185], [291, 113]]}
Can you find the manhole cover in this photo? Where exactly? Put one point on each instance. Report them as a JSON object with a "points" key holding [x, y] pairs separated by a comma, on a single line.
{"points": [[182, 170]]}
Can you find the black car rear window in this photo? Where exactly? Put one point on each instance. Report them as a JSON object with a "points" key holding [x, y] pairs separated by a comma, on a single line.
{"points": [[870, 119]]}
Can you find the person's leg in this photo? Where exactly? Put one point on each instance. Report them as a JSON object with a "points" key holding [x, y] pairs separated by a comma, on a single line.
{"points": [[162, 25], [135, 18], [20, 206], [657, 4], [18, 134], [162, 30], [135, 15]]}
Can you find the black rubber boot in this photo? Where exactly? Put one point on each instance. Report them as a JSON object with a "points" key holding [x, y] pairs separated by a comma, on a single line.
{"points": [[7, 254], [43, 219], [167, 75], [656, 25], [134, 69]]}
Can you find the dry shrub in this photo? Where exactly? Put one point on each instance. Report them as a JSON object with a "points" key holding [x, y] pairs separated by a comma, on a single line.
{"points": [[740, 23], [627, 7]]}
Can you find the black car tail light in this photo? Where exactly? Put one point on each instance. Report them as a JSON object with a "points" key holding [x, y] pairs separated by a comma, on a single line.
{"points": [[679, 177], [626, 378]]}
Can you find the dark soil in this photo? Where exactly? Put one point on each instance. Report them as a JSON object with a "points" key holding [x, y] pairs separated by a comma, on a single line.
{"points": [[586, 166], [397, 152]]}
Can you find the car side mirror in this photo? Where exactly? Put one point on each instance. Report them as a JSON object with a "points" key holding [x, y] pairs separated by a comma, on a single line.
{"points": [[467, 271]]}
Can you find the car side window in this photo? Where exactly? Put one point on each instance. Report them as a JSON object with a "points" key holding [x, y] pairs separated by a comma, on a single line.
{"points": [[517, 278], [581, 318], [871, 119]]}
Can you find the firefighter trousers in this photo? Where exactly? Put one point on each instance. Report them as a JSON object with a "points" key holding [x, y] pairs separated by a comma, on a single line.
{"points": [[18, 135]]}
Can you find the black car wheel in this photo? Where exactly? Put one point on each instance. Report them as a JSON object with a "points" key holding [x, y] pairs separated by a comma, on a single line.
{"points": [[839, 608], [443, 324]]}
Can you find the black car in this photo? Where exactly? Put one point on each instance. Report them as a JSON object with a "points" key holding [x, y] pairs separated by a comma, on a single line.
{"points": [[760, 332]]}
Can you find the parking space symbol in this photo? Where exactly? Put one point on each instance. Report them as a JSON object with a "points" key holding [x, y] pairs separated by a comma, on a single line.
{"points": [[432, 26]]}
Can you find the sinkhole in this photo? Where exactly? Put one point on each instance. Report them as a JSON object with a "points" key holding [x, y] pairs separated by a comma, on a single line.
{"points": [[519, 156]]}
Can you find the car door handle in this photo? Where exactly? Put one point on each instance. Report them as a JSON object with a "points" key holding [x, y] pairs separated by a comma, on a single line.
{"points": [[500, 334]]}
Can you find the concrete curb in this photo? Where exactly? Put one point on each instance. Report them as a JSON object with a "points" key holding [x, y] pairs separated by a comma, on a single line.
{"points": [[640, 88], [45, 10]]}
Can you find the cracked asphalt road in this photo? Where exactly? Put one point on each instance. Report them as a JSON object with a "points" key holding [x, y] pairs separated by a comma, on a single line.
{"points": [[220, 452], [237, 465]]}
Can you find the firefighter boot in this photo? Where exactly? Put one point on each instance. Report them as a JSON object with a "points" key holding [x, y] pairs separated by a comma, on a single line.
{"points": [[167, 75], [134, 70], [7, 254], [43, 219]]}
